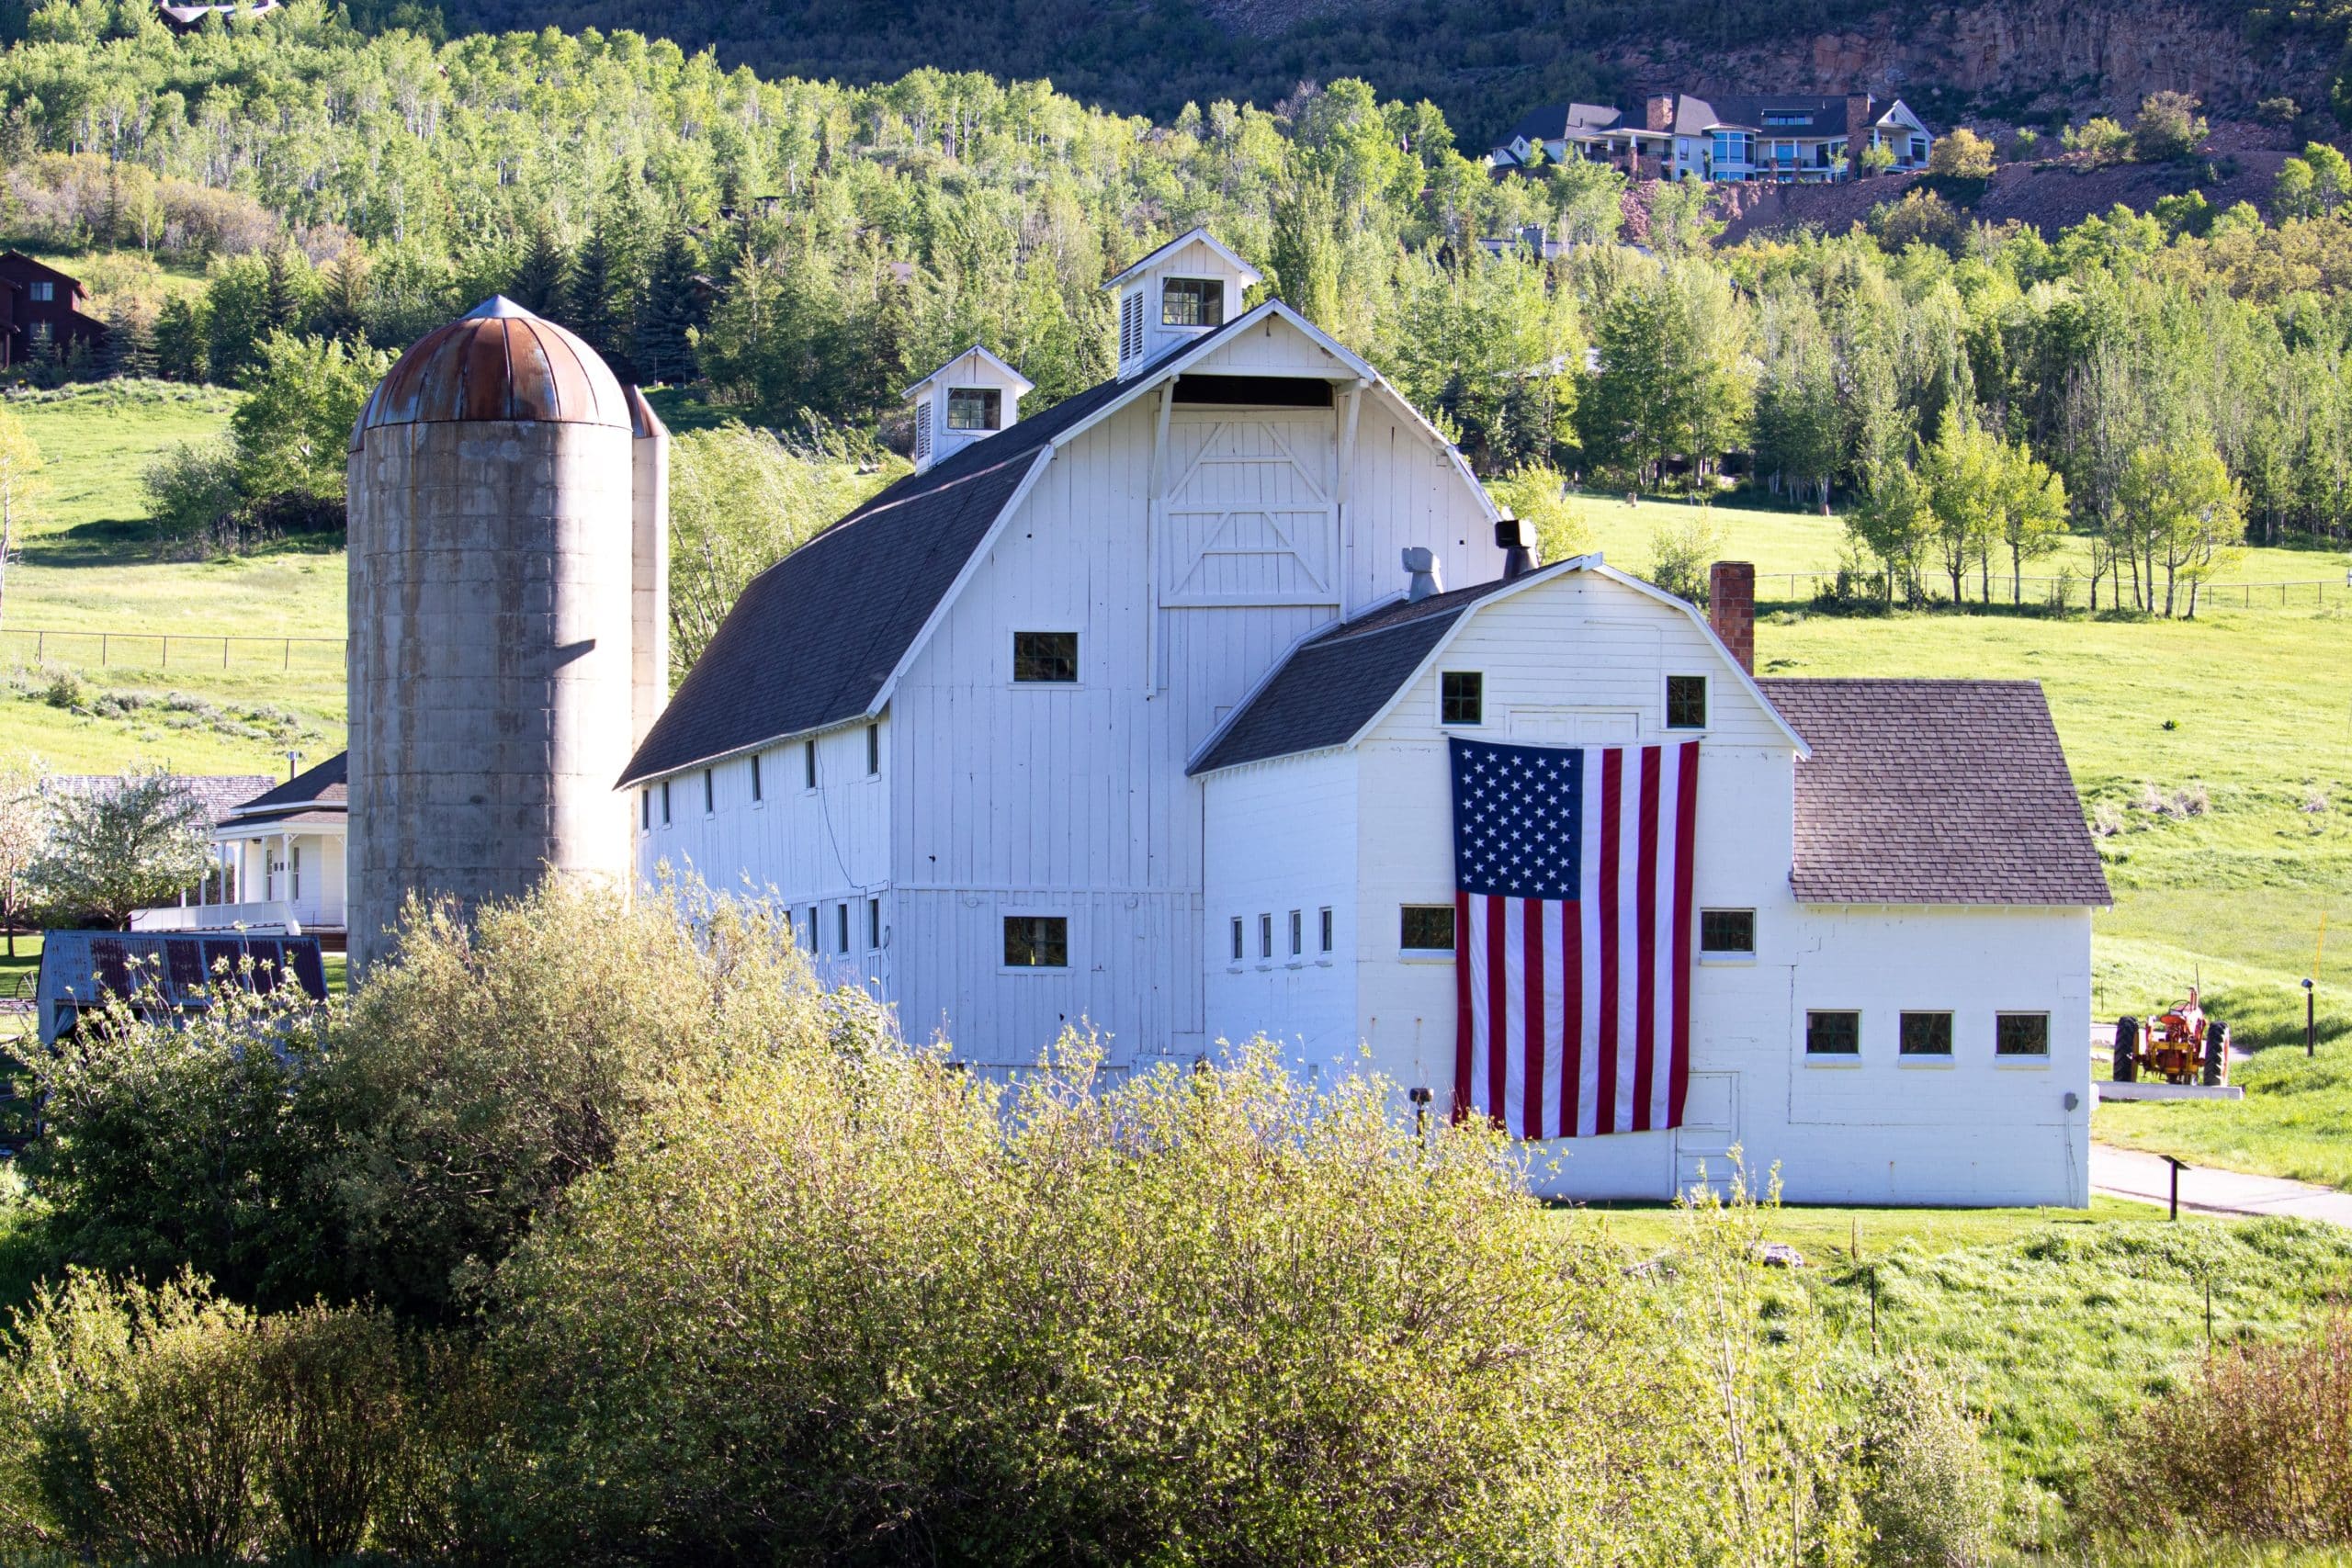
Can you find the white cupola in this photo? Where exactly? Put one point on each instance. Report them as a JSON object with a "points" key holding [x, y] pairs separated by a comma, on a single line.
{"points": [[1188, 288], [968, 399]]}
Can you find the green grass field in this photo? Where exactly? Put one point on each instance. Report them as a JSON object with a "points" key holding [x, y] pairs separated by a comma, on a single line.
{"points": [[2055, 1324], [94, 591]]}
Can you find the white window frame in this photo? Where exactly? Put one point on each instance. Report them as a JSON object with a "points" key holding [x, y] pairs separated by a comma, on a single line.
{"points": [[1265, 938], [1665, 702], [1241, 943], [710, 792], [2031, 1063], [1013, 658], [1444, 723], [1297, 935], [1070, 964], [1428, 955], [1728, 956], [1813, 1058], [1923, 1059], [874, 750], [809, 774], [1326, 929], [873, 924]]}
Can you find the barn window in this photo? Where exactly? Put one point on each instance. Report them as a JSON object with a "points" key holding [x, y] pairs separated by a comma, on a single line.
{"points": [[1047, 657], [1326, 929], [1426, 928], [809, 764], [973, 408], [1297, 933], [873, 750], [1192, 302], [1037, 942], [1265, 936], [1924, 1034], [1686, 701], [644, 810], [42, 293], [709, 791], [1237, 940], [1832, 1034], [809, 931], [2021, 1034], [1131, 325], [841, 927], [874, 924], [665, 803], [756, 793], [1729, 933], [1461, 697]]}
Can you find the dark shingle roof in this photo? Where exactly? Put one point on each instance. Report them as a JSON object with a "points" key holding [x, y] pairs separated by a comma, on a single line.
{"points": [[813, 639], [1824, 116], [1333, 684], [324, 784], [1934, 792]]}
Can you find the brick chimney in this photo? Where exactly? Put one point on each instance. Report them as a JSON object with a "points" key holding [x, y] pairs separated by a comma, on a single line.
{"points": [[1731, 608], [1859, 120], [1660, 108]]}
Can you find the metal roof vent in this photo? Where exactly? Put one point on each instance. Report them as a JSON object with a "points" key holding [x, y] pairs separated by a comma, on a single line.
{"points": [[1516, 538], [1421, 561]]}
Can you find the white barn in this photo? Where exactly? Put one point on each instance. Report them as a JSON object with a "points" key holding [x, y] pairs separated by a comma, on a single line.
{"points": [[1129, 716]]}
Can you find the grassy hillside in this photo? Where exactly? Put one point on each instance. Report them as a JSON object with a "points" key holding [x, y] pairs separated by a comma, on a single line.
{"points": [[94, 590]]}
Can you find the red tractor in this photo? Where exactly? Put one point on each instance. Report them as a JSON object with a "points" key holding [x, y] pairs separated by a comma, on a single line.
{"points": [[2179, 1046]]}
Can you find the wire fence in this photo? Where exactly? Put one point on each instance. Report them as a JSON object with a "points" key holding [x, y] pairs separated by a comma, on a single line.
{"points": [[37, 646], [2075, 591]]}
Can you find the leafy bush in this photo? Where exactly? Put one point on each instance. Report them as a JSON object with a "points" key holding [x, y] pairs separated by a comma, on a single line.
{"points": [[1929, 1495], [192, 489], [2169, 127], [1962, 155], [166, 1424], [1680, 552], [2255, 1444]]}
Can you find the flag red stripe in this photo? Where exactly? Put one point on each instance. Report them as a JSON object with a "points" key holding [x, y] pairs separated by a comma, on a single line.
{"points": [[1465, 1036], [1537, 1035], [1571, 1013], [1497, 1032], [1686, 835], [1612, 779], [1645, 944]]}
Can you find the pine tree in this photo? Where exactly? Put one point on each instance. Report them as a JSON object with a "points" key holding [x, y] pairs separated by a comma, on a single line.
{"points": [[540, 283], [673, 307], [343, 306], [179, 340], [281, 303]]}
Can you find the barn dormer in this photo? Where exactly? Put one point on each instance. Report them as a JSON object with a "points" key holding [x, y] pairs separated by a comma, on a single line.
{"points": [[1188, 286], [968, 399]]}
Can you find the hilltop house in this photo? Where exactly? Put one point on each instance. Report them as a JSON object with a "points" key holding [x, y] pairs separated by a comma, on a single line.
{"points": [[1122, 715], [1751, 136], [41, 315]]}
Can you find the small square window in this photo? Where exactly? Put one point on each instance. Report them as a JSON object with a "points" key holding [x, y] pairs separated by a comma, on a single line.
{"points": [[1265, 936], [873, 750], [709, 792], [665, 803], [874, 924], [2021, 1034], [973, 408], [1426, 928], [1326, 929], [757, 794], [1037, 942], [1833, 1034], [1924, 1034], [1192, 302], [809, 764], [1461, 697], [1686, 701], [1049, 656], [1731, 933], [1239, 943], [840, 928], [1297, 933]]}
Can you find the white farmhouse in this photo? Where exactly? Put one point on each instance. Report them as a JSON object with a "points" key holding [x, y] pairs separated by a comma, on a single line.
{"points": [[1134, 714]]}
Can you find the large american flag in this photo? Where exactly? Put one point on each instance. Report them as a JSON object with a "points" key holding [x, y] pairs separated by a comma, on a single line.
{"points": [[1572, 935]]}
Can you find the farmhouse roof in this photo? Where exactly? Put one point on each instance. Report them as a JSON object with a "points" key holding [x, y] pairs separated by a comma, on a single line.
{"points": [[218, 793], [1934, 792], [1337, 681], [323, 785], [1552, 121], [814, 639]]}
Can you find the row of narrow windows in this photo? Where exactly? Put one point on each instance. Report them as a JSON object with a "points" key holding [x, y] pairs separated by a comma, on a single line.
{"points": [[1293, 934], [655, 801], [807, 923], [1837, 1032]]}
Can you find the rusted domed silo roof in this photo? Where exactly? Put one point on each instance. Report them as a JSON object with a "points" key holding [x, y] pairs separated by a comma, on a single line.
{"points": [[498, 362]]}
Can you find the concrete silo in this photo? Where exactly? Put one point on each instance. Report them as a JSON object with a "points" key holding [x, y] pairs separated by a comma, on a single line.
{"points": [[508, 615]]}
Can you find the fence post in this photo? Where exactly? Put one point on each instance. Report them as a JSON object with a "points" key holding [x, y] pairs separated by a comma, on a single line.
{"points": [[286, 655], [167, 653], [102, 650], [224, 653]]}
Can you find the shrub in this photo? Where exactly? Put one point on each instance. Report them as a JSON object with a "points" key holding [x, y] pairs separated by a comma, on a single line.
{"points": [[1927, 1495], [2257, 1443], [192, 489], [2101, 138], [856, 1307], [1681, 552], [1962, 155], [2169, 127]]}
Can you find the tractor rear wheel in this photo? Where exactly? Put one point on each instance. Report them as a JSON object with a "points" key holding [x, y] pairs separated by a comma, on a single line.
{"points": [[2127, 1050], [2217, 1049]]}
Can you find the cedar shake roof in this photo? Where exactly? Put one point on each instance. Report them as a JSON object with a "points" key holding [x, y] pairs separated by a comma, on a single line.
{"points": [[1934, 792], [1333, 684], [812, 641], [218, 793]]}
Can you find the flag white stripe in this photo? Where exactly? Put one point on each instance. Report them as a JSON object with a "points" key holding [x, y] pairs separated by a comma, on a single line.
{"points": [[1555, 982], [1474, 952], [1629, 932], [1588, 898], [1662, 967]]}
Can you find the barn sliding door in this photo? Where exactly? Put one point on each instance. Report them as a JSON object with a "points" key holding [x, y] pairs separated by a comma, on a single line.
{"points": [[1247, 515]]}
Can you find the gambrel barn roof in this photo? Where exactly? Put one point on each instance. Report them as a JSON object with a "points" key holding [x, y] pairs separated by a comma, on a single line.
{"points": [[1934, 792]]}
